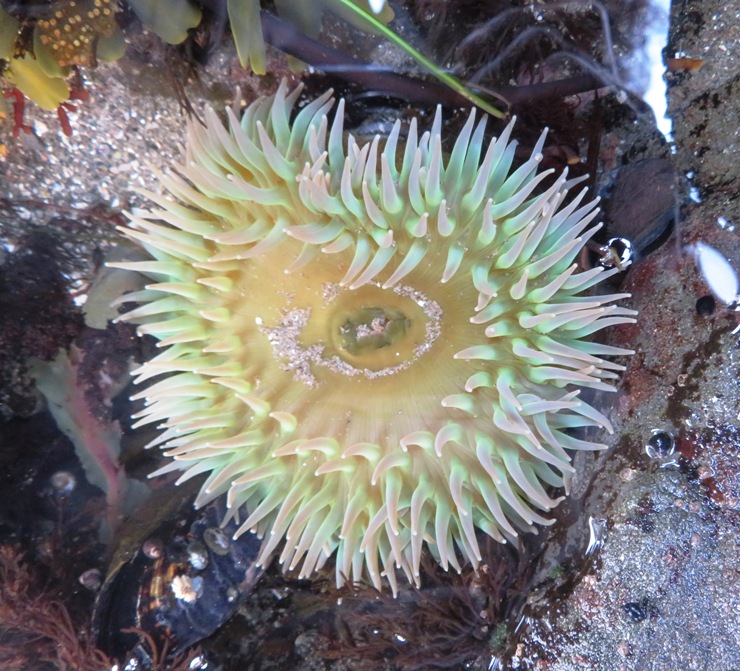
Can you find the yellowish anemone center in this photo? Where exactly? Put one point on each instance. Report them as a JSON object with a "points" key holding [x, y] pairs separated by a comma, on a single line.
{"points": [[351, 362]]}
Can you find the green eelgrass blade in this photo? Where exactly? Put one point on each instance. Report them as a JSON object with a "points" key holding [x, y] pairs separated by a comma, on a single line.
{"points": [[420, 58]]}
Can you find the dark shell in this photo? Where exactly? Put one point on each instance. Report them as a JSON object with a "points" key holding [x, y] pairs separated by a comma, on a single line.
{"points": [[705, 306], [642, 202], [183, 591]]}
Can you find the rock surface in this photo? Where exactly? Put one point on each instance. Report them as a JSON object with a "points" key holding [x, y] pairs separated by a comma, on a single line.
{"points": [[663, 590]]}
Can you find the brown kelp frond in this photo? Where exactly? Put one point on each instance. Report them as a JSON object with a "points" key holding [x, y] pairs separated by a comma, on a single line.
{"points": [[37, 630], [158, 657], [456, 620]]}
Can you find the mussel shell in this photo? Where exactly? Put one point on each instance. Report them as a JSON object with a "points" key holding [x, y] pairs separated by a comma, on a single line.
{"points": [[642, 203], [181, 592]]}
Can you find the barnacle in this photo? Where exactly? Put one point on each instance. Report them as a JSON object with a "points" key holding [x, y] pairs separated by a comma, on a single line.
{"points": [[369, 350]]}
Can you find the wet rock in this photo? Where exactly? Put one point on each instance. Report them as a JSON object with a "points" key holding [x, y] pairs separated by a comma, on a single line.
{"points": [[662, 590]]}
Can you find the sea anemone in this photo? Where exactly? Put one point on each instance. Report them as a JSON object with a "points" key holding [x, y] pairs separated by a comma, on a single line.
{"points": [[368, 350]]}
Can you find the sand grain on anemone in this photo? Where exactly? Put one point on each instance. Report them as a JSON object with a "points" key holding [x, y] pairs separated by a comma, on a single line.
{"points": [[369, 350]]}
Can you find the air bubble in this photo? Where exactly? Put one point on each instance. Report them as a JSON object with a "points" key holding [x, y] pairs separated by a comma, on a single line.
{"points": [[661, 444]]}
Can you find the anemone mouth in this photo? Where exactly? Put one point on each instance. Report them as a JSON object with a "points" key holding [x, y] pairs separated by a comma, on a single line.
{"points": [[368, 351]]}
